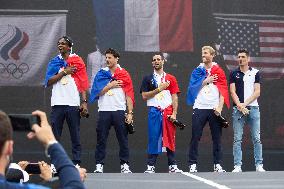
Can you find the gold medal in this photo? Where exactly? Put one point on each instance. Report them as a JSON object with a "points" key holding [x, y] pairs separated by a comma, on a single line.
{"points": [[109, 93], [206, 89], [159, 96], [64, 80]]}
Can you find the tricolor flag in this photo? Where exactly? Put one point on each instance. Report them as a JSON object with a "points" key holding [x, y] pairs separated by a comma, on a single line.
{"points": [[144, 25], [80, 76], [261, 35], [104, 76], [197, 77]]}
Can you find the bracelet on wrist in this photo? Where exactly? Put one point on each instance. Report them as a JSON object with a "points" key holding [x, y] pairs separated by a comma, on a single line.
{"points": [[85, 100], [130, 112], [65, 73], [159, 90]]}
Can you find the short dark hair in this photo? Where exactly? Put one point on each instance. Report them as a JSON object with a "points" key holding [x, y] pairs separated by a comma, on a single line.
{"points": [[6, 132], [159, 53], [68, 40], [243, 51], [112, 51]]}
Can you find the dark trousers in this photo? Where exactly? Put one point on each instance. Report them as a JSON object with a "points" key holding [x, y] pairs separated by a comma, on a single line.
{"points": [[105, 121], [152, 158], [199, 119], [71, 113]]}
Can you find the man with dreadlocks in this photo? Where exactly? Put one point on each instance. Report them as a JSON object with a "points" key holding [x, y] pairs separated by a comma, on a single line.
{"points": [[67, 75]]}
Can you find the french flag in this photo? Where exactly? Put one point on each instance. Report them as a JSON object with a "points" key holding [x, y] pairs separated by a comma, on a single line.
{"points": [[80, 76], [197, 77], [144, 25], [104, 76]]}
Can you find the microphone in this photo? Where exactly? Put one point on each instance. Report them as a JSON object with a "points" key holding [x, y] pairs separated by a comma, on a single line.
{"points": [[223, 122], [248, 108], [177, 123], [241, 116]]}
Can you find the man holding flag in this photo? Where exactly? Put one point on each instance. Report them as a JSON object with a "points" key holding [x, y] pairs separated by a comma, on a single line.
{"points": [[68, 77], [207, 92], [161, 90], [113, 89]]}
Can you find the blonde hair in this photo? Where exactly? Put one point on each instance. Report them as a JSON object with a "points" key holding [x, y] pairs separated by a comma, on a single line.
{"points": [[211, 50]]}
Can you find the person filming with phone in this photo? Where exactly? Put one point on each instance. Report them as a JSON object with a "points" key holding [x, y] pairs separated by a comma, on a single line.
{"points": [[25, 171], [68, 174]]}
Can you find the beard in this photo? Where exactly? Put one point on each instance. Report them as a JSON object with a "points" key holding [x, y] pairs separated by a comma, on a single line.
{"points": [[157, 67]]}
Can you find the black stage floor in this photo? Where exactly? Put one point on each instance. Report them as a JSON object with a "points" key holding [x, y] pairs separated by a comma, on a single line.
{"points": [[202, 180]]}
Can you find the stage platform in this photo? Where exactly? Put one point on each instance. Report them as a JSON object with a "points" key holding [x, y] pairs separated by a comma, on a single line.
{"points": [[202, 180]]}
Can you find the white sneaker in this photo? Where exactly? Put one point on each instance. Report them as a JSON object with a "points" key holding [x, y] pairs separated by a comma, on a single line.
{"points": [[237, 169], [192, 168], [259, 168], [174, 169], [218, 168], [124, 168], [99, 168], [150, 169]]}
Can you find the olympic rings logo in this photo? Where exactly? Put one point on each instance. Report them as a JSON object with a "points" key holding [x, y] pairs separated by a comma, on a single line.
{"points": [[16, 71]]}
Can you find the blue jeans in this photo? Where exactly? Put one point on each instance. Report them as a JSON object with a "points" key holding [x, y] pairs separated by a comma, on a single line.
{"points": [[253, 121]]}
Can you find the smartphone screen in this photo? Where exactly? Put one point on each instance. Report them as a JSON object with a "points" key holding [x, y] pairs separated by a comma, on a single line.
{"points": [[33, 168], [23, 122]]}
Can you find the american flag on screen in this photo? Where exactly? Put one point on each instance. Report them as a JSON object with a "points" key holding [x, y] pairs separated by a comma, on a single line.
{"points": [[262, 36]]}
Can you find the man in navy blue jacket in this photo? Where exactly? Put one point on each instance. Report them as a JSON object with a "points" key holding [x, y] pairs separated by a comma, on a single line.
{"points": [[68, 173]]}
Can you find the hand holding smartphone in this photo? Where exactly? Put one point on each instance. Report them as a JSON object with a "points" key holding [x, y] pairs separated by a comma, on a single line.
{"points": [[23, 122], [33, 168]]}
